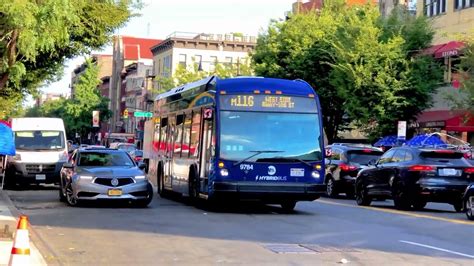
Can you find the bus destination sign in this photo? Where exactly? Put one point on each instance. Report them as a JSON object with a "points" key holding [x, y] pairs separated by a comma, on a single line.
{"points": [[272, 103]]}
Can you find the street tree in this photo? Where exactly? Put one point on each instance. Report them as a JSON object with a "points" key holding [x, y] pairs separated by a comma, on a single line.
{"points": [[36, 37], [301, 48], [464, 99], [365, 69], [380, 70]]}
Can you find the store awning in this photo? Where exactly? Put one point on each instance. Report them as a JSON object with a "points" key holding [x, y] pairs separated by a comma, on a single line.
{"points": [[447, 120], [432, 49], [449, 49]]}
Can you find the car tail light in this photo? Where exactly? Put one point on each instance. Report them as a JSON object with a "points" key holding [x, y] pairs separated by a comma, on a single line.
{"points": [[345, 167], [138, 158], [421, 168], [367, 150], [469, 170]]}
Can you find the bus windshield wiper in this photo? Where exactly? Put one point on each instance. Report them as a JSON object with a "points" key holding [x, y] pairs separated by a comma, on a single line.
{"points": [[255, 154], [286, 159]]}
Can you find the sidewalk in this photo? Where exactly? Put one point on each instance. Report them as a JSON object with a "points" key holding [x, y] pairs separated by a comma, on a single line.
{"points": [[8, 225]]}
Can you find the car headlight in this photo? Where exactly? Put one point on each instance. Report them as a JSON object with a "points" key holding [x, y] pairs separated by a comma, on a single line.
{"points": [[86, 177], [315, 174], [224, 172], [17, 157], [140, 177]]}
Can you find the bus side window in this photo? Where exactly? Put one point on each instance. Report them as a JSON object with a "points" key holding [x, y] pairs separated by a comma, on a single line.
{"points": [[186, 136], [178, 136], [195, 130], [163, 131]]}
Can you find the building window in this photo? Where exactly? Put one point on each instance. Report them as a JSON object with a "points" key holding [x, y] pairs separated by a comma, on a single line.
{"points": [[228, 62], [462, 4], [182, 60], [212, 63], [198, 61], [434, 7]]}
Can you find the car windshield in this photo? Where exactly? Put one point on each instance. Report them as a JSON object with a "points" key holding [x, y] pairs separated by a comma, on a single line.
{"points": [[127, 147], [361, 157], [104, 159], [293, 135], [39, 140], [138, 153]]}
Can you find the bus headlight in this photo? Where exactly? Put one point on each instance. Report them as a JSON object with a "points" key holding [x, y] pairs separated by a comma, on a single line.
{"points": [[224, 172], [315, 174]]}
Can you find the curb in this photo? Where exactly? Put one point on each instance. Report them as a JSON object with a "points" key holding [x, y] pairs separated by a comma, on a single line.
{"points": [[7, 226], [36, 241]]}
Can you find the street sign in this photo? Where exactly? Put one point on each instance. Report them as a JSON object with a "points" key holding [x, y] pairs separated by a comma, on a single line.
{"points": [[208, 113], [95, 119], [402, 130], [143, 114]]}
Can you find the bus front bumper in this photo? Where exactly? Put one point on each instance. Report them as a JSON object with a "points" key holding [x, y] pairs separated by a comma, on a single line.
{"points": [[269, 192]]}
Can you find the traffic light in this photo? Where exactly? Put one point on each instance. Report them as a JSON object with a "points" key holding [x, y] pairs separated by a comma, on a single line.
{"points": [[125, 113]]}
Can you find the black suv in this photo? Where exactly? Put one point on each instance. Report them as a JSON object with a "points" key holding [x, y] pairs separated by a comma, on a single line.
{"points": [[343, 163], [413, 176]]}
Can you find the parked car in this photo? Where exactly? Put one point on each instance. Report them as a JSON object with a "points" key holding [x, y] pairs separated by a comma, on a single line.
{"points": [[128, 147], [96, 174], [413, 176], [468, 200], [137, 155], [343, 164]]}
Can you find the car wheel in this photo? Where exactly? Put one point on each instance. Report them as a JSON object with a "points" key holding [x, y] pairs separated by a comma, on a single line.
{"points": [[288, 206], [470, 208], [70, 198], [62, 197], [419, 204], [458, 206], [193, 187], [331, 188], [143, 203], [161, 185], [400, 198], [362, 199]]}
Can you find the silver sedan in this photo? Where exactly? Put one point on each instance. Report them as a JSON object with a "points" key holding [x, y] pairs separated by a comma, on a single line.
{"points": [[99, 174]]}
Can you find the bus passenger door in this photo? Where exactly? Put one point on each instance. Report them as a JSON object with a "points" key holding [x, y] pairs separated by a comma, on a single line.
{"points": [[207, 151], [169, 152]]}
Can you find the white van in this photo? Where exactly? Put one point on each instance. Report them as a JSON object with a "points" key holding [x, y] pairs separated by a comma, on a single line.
{"points": [[41, 150]]}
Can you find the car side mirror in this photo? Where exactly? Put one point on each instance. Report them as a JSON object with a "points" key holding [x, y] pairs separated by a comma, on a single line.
{"points": [[68, 165], [327, 161], [142, 166]]}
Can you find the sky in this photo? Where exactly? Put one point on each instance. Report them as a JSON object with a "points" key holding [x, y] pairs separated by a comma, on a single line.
{"points": [[160, 18]]}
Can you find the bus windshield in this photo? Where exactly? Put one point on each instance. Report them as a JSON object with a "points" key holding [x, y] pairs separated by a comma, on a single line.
{"points": [[294, 135], [39, 140]]}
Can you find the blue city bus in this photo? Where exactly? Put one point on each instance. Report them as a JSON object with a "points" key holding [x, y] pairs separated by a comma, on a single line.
{"points": [[246, 138]]}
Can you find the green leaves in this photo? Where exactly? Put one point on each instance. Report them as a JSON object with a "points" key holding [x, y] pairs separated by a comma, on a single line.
{"points": [[364, 68], [36, 37]]}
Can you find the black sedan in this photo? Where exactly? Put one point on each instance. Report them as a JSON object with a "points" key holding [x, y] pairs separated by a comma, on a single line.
{"points": [[413, 176], [343, 163], [468, 200]]}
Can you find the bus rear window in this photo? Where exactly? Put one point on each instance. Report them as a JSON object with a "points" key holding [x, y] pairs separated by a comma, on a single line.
{"points": [[441, 154]]}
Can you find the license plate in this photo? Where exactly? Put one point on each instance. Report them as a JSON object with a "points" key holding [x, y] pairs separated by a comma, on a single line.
{"points": [[448, 172], [114, 192], [40, 177]]}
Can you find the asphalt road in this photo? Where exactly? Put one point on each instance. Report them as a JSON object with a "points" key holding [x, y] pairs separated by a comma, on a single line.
{"points": [[168, 232]]}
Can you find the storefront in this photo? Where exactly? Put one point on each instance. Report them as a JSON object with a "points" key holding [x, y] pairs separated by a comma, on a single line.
{"points": [[456, 123]]}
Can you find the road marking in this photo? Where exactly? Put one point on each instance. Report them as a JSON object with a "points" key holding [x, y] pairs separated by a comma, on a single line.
{"points": [[436, 248], [417, 215]]}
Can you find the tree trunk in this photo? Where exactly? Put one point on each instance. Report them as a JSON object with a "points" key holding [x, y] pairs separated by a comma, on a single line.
{"points": [[11, 57]]}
